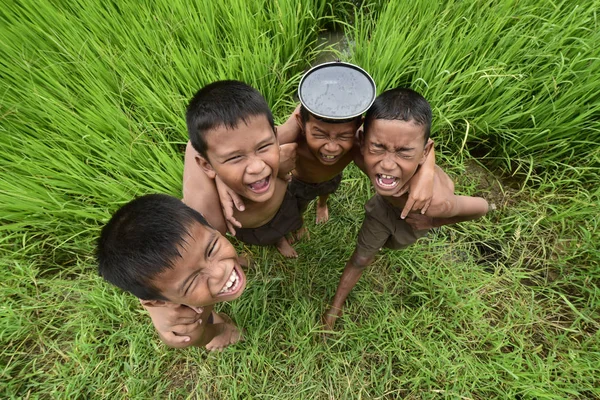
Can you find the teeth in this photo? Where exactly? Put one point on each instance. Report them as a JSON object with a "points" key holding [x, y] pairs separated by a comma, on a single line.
{"points": [[386, 176], [328, 157], [231, 284]]}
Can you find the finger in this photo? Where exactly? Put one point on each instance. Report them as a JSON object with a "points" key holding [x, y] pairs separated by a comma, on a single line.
{"points": [[199, 310], [407, 208], [237, 201], [426, 206], [230, 227], [183, 330], [172, 337]]}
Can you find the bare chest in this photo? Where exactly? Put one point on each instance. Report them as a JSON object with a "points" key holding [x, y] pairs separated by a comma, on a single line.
{"points": [[311, 170], [258, 214]]}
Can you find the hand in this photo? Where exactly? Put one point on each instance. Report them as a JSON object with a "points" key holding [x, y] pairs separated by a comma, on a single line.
{"points": [[229, 199], [420, 222], [287, 160], [420, 186], [175, 322]]}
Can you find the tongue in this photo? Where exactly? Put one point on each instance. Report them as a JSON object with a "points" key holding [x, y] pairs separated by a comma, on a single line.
{"points": [[387, 181], [259, 185]]}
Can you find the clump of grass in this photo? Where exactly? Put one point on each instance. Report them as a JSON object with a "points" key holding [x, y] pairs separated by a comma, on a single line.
{"points": [[516, 80]]}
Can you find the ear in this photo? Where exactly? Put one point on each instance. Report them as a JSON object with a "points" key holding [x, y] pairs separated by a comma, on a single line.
{"points": [[205, 165], [300, 123], [154, 303], [361, 140], [426, 151]]}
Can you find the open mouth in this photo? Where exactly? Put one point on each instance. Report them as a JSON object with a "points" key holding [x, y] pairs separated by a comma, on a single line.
{"points": [[233, 284], [386, 181], [328, 158], [260, 186]]}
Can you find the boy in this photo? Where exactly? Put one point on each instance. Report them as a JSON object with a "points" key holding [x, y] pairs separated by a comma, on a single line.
{"points": [[231, 129], [326, 145], [394, 145], [167, 255]]}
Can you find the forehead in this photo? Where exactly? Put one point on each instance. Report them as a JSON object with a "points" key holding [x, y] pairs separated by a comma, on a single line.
{"points": [[329, 127], [395, 132], [225, 139], [191, 250]]}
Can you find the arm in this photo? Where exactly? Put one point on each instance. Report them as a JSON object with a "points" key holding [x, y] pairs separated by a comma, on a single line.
{"points": [[288, 131], [200, 192], [454, 210], [420, 186]]}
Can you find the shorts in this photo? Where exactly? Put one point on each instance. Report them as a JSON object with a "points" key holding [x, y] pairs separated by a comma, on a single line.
{"points": [[307, 192], [286, 220], [383, 227]]}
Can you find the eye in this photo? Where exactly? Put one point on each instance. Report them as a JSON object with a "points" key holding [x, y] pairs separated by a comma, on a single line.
{"points": [[191, 284], [211, 250], [233, 159], [265, 147], [346, 138]]}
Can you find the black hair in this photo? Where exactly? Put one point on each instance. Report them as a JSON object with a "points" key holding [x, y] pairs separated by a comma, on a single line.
{"points": [[223, 103], [401, 104], [305, 115], [141, 240]]}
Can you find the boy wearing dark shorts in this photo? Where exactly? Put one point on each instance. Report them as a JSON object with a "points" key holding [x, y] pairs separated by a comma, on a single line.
{"points": [[394, 145], [231, 129]]}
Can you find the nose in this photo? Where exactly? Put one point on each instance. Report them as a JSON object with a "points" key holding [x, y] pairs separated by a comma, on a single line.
{"points": [[332, 147], [256, 166], [387, 164]]}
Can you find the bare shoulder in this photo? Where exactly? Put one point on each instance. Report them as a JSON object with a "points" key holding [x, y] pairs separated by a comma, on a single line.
{"points": [[200, 192]]}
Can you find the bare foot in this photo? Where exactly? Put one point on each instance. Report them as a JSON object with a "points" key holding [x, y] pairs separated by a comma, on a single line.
{"points": [[299, 234], [330, 317], [229, 335], [322, 213], [284, 248]]}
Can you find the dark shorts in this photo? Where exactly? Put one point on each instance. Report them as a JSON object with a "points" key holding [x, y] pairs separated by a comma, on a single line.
{"points": [[286, 220], [307, 192], [383, 227]]}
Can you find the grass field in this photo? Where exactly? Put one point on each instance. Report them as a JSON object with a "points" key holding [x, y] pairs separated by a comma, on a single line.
{"points": [[92, 114]]}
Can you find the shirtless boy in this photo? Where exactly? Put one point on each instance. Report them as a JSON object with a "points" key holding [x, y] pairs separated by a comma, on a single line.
{"points": [[394, 146], [231, 129], [167, 255]]}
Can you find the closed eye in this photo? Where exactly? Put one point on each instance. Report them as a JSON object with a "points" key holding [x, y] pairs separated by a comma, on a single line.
{"points": [[265, 147], [212, 248], [234, 158]]}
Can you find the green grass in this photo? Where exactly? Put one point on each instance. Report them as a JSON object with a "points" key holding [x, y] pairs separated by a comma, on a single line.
{"points": [[93, 97]]}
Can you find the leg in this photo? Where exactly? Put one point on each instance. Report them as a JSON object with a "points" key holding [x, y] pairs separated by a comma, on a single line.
{"points": [[322, 210], [352, 273], [285, 248]]}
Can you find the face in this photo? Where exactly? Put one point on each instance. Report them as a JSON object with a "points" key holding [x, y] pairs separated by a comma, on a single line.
{"points": [[207, 272], [245, 158], [329, 142], [392, 152]]}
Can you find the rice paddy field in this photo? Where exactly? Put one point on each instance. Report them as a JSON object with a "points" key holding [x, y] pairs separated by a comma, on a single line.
{"points": [[92, 103]]}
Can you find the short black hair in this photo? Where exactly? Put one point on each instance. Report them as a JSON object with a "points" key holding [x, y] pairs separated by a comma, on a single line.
{"points": [[223, 103], [401, 104], [305, 115], [141, 240]]}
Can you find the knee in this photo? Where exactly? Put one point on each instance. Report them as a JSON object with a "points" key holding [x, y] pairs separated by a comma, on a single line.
{"points": [[360, 261]]}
